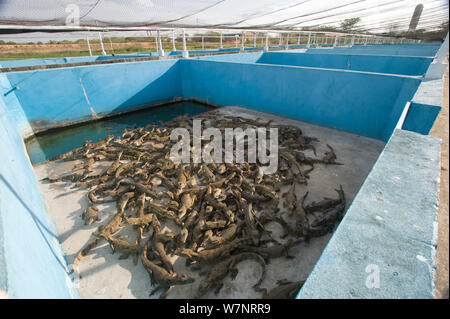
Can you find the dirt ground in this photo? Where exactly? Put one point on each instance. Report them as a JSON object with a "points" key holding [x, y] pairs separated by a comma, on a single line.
{"points": [[441, 130]]}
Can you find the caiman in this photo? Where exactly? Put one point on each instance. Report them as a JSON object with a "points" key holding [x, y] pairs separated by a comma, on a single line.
{"points": [[124, 247], [209, 255], [90, 215], [274, 251], [284, 290], [220, 270], [162, 277]]}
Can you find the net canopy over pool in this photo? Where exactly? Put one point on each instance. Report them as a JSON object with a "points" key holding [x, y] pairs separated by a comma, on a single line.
{"points": [[374, 15]]}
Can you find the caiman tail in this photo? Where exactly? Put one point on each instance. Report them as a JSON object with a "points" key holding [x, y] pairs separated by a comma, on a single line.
{"points": [[260, 261], [90, 245]]}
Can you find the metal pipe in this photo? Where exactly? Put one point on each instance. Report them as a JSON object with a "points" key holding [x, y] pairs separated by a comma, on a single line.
{"points": [[266, 46], [309, 40], [185, 53], [242, 41], [174, 48], [161, 50], [101, 44], [221, 45], [89, 45]]}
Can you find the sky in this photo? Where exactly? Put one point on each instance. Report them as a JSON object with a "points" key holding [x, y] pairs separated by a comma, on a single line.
{"points": [[376, 15]]}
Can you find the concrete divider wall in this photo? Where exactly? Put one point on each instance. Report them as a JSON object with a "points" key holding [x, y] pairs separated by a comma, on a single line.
{"points": [[32, 263], [59, 96], [368, 63], [419, 52], [361, 103]]}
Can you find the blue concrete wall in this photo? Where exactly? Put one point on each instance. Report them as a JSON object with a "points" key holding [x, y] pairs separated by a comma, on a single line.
{"points": [[420, 118], [58, 96], [361, 103], [368, 63], [33, 264], [419, 52], [385, 245]]}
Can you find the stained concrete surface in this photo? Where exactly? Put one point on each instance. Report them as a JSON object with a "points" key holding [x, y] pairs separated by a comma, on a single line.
{"points": [[103, 275], [441, 130]]}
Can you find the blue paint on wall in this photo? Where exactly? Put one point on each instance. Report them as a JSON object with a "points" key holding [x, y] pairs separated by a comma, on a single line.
{"points": [[356, 102], [363, 103], [48, 97], [367, 63], [35, 265], [420, 118]]}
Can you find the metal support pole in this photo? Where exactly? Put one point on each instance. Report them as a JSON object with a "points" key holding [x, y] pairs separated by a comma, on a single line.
{"points": [[365, 41], [101, 44], [254, 40], [287, 41], [221, 36], [298, 40], [203, 42], [89, 45], [281, 39], [353, 41], [185, 53], [161, 50], [266, 46], [336, 39], [174, 48], [156, 44], [242, 41], [236, 40], [309, 40]]}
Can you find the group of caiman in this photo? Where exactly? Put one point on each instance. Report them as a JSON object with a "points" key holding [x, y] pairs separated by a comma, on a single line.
{"points": [[220, 210]]}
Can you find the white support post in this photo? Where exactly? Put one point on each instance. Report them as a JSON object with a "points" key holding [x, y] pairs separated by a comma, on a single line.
{"points": [[203, 42], [309, 40], [101, 44], [287, 41], [336, 39], [298, 40], [242, 41], [281, 39], [185, 53], [236, 37], [221, 41], [89, 45], [365, 41], [174, 47], [156, 44], [266, 46], [161, 50], [353, 41], [254, 40]]}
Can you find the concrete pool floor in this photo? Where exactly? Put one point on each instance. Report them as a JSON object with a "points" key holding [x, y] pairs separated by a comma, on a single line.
{"points": [[104, 275]]}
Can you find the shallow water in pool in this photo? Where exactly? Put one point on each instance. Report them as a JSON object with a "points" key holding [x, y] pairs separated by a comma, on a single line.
{"points": [[46, 146]]}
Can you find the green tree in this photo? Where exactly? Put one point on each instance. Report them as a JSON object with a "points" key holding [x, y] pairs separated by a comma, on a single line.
{"points": [[350, 24]]}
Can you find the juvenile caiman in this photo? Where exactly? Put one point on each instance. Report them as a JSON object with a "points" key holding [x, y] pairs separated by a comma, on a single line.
{"points": [[162, 277], [220, 270]]}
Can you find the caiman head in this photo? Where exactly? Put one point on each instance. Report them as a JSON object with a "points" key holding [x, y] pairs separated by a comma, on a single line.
{"points": [[183, 279]]}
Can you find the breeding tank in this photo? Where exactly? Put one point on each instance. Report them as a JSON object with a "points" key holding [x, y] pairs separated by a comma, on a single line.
{"points": [[362, 119]]}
